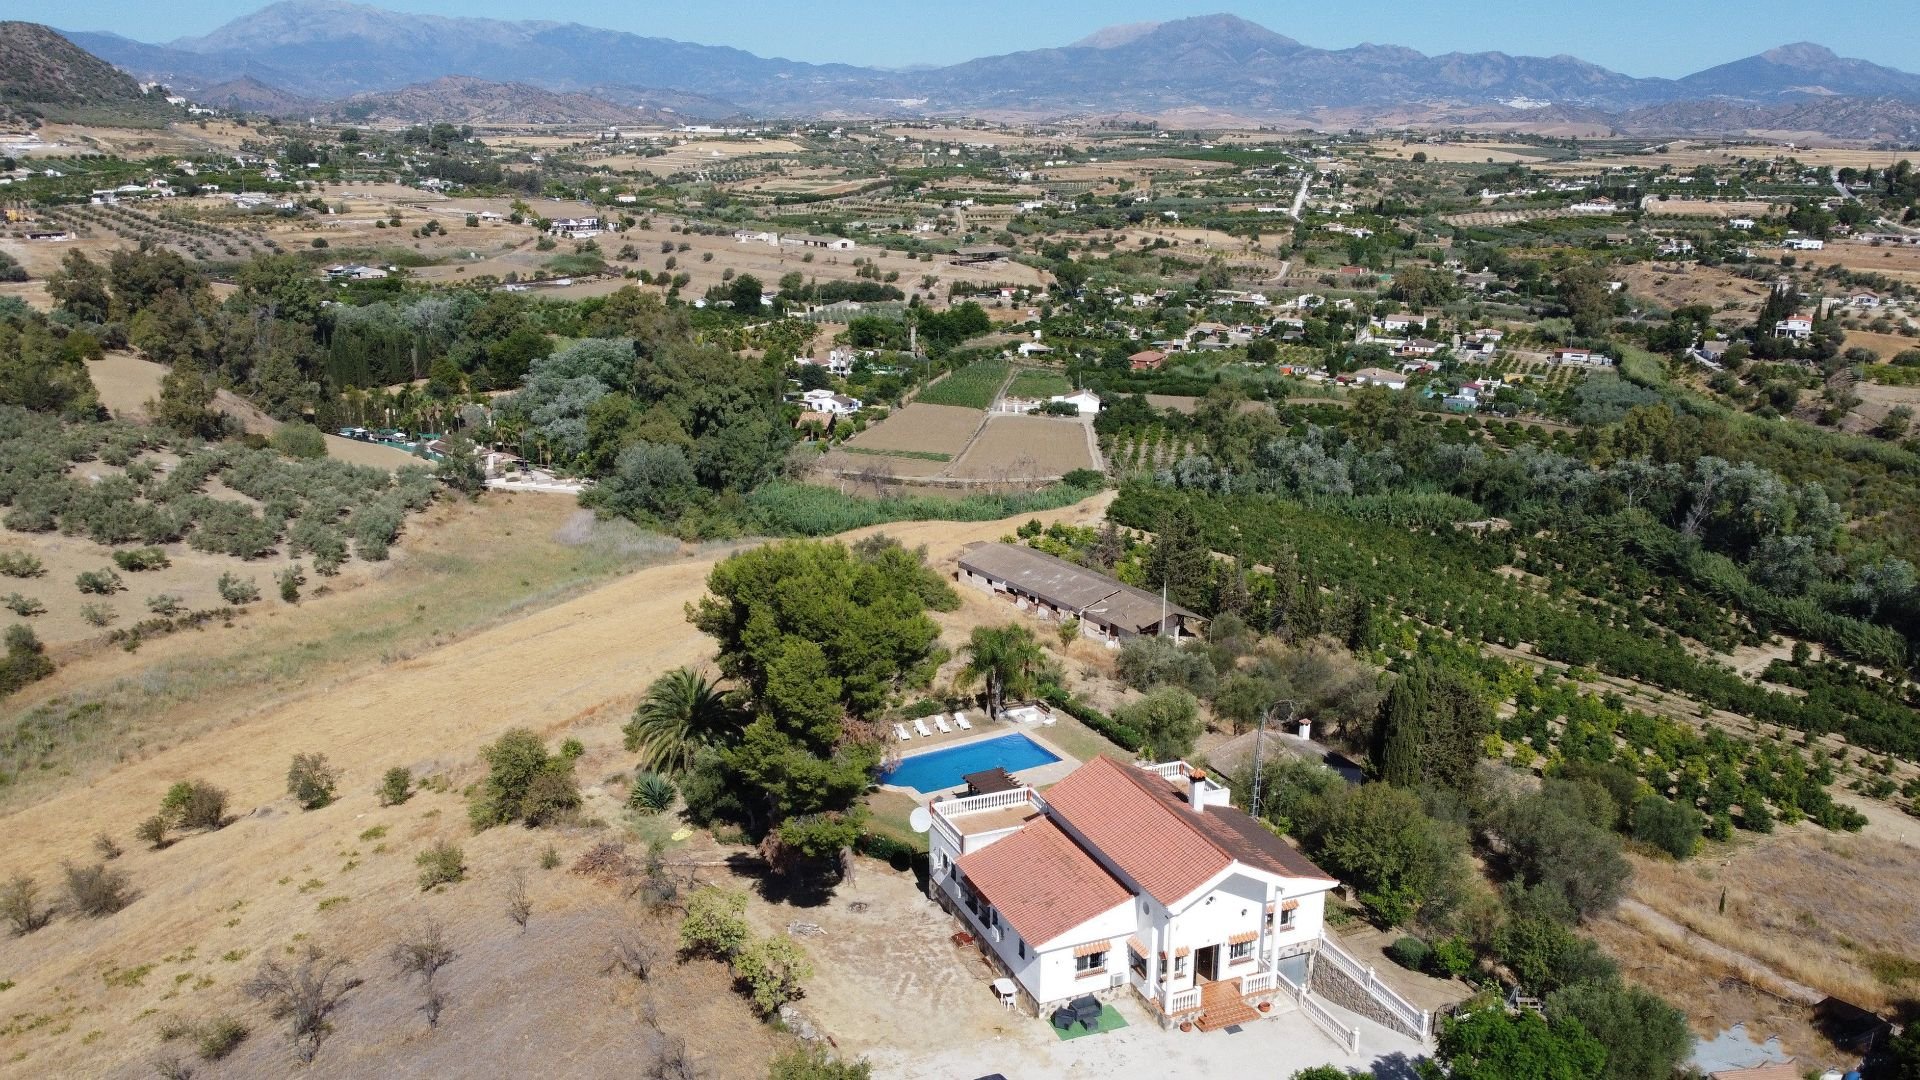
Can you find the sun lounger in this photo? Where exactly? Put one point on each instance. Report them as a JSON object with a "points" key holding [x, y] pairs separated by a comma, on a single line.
{"points": [[921, 727], [900, 730], [1046, 717], [961, 719], [940, 721]]}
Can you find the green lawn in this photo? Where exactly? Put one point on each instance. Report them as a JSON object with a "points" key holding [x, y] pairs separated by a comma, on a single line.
{"points": [[1039, 384]]}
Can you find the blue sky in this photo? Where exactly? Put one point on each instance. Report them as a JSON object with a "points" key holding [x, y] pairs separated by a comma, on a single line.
{"points": [[1639, 37]]}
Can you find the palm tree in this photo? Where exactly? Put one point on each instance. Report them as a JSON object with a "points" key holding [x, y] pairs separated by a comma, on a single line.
{"points": [[682, 714], [1006, 658]]}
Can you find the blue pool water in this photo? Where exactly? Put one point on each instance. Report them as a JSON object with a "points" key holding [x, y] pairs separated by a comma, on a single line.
{"points": [[938, 770]]}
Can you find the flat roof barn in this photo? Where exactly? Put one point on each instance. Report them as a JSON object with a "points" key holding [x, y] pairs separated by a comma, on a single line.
{"points": [[1053, 588]]}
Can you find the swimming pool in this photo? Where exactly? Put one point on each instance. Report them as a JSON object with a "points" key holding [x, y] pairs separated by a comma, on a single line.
{"points": [[938, 770]]}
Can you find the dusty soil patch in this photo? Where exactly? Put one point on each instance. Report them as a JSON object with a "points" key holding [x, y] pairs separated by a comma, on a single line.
{"points": [[1025, 448]]}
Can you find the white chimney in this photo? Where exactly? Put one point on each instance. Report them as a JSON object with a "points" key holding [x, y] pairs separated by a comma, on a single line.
{"points": [[1196, 784], [1306, 729]]}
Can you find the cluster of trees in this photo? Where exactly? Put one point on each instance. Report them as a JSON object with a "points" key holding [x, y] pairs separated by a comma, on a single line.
{"points": [[815, 640]]}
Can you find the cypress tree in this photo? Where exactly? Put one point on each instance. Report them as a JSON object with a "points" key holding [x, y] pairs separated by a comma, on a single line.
{"points": [[1401, 732]]}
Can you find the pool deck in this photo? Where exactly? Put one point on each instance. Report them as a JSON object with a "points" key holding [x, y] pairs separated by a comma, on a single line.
{"points": [[1038, 776]]}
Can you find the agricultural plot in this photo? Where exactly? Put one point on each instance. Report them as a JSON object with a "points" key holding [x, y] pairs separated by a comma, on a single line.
{"points": [[1030, 384], [1017, 448], [916, 441], [1147, 449], [971, 387]]}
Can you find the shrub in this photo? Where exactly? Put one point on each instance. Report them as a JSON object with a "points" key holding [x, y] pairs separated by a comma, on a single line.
{"points": [[651, 794], [220, 1037], [194, 804], [106, 846], [152, 831], [524, 782], [20, 905], [24, 606], [1452, 957], [300, 441], [1168, 720], [135, 560], [632, 954], [1410, 953], [311, 781], [97, 891], [25, 660], [442, 864], [810, 1062], [102, 582], [21, 564], [423, 951], [97, 614], [1670, 826], [715, 924], [290, 581], [238, 590], [397, 786], [165, 605], [772, 968], [519, 904], [549, 858]]}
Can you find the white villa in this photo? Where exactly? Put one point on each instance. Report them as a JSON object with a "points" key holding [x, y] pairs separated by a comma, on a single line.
{"points": [[1145, 877]]}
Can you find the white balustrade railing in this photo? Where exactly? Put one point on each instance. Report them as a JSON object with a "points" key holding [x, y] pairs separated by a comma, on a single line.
{"points": [[1417, 1019], [1182, 1000], [1348, 1037]]}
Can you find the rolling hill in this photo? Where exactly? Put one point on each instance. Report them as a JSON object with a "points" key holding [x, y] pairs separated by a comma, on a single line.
{"points": [[45, 75]]}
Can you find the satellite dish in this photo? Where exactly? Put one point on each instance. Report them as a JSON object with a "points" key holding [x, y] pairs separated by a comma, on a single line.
{"points": [[921, 819]]}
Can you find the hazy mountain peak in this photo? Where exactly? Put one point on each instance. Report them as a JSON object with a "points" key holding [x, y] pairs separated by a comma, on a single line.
{"points": [[1800, 54], [1112, 37]]}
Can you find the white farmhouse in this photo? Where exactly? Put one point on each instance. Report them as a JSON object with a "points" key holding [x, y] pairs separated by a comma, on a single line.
{"points": [[827, 401], [1143, 878]]}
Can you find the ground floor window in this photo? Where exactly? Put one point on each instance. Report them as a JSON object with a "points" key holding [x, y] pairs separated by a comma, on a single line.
{"points": [[1239, 952]]}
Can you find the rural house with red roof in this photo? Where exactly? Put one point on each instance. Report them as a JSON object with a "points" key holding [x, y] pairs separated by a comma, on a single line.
{"points": [[1140, 877]]}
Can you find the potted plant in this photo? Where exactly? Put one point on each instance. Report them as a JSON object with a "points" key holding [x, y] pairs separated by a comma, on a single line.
{"points": [[1266, 1006], [1186, 1025]]}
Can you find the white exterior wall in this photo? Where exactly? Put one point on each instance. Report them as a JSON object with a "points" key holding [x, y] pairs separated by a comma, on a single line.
{"points": [[1050, 976]]}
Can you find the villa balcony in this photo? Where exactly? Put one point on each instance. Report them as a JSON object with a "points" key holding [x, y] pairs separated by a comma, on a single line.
{"points": [[966, 824]]}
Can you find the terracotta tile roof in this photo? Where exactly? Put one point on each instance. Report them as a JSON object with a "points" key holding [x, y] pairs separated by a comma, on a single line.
{"points": [[1145, 826], [1041, 882]]}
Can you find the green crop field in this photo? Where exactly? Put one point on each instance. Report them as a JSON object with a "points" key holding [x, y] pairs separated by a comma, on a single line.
{"points": [[971, 387], [1039, 384]]}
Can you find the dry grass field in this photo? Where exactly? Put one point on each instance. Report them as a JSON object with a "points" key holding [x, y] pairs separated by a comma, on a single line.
{"points": [[1895, 262], [939, 429], [1475, 152], [1014, 448], [374, 680], [1836, 914], [1730, 208], [1691, 283]]}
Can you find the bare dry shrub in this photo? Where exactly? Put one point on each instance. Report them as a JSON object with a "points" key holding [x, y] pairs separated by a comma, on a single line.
{"points": [[304, 995], [519, 905], [20, 905], [173, 1067], [97, 891], [633, 954], [606, 862], [424, 950], [672, 1060]]}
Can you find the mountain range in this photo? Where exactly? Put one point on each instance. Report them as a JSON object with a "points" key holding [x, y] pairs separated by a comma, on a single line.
{"points": [[329, 50]]}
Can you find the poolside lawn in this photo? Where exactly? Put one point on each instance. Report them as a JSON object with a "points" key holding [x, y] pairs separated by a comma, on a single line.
{"points": [[1110, 1020]]}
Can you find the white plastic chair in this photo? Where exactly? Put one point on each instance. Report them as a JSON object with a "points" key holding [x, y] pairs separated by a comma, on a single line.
{"points": [[921, 727], [961, 719], [940, 721], [900, 730]]}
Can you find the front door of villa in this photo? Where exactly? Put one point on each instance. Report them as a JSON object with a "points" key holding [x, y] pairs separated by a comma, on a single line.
{"points": [[1206, 962]]}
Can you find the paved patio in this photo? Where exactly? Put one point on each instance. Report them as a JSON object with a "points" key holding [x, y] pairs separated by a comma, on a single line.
{"points": [[888, 985], [1275, 1046]]}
